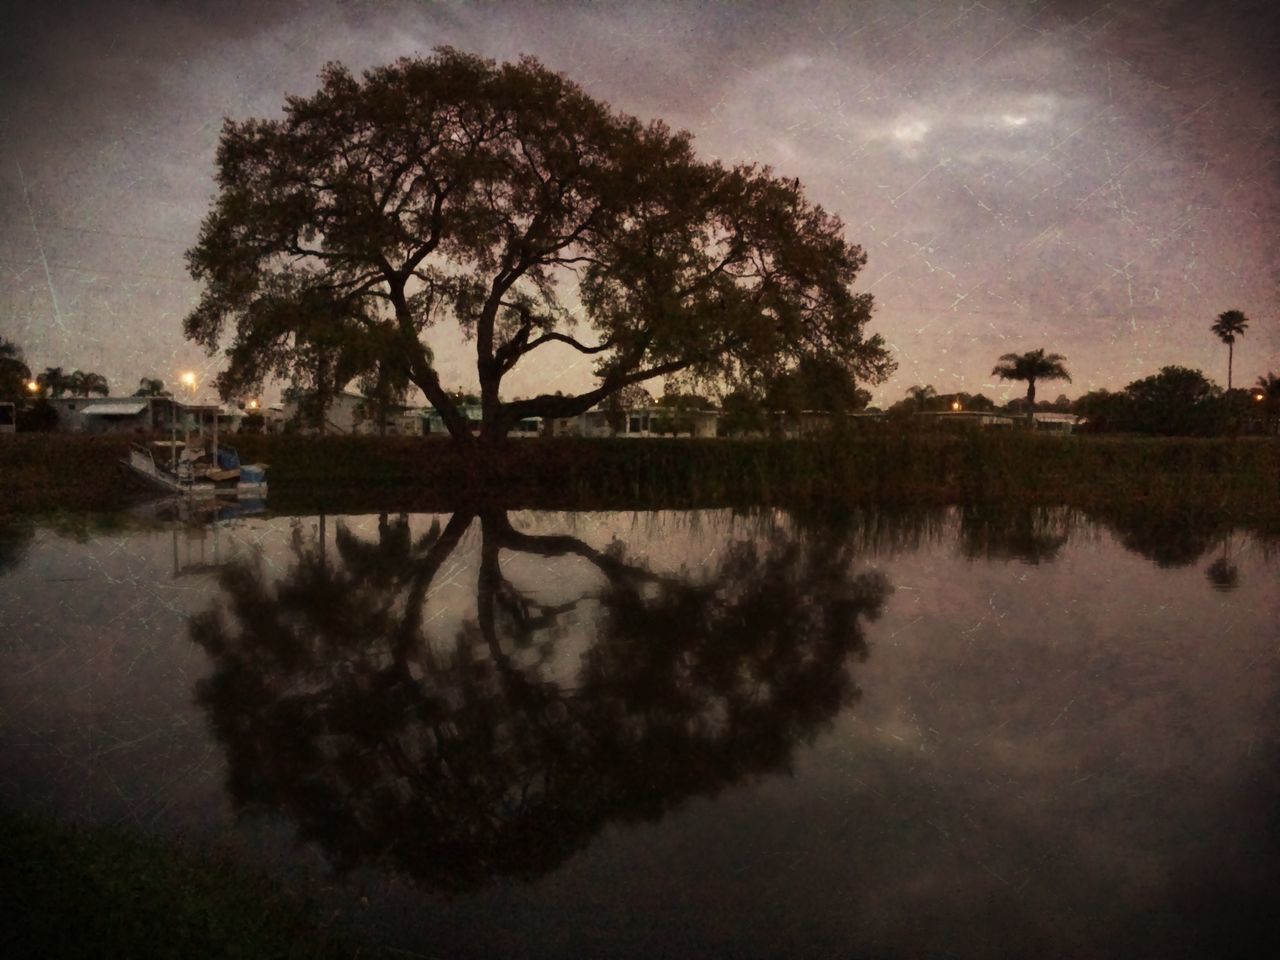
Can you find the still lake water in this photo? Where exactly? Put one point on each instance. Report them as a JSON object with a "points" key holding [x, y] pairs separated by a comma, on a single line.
{"points": [[889, 734]]}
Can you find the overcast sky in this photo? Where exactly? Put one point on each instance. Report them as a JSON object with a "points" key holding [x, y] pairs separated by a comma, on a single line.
{"points": [[1100, 179]]}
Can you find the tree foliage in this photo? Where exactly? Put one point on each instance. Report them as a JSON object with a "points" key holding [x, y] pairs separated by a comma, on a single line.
{"points": [[80, 383], [151, 387], [14, 372], [1177, 401], [504, 198], [820, 384]]}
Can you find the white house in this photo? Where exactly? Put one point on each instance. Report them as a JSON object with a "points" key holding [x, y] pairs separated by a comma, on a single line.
{"points": [[114, 414], [350, 413], [636, 422], [1051, 422]]}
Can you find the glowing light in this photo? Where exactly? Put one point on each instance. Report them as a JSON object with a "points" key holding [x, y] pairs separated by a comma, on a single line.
{"points": [[253, 404], [955, 405], [33, 386]]}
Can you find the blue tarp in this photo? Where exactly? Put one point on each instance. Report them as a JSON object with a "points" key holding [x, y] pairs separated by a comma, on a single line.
{"points": [[227, 459]]}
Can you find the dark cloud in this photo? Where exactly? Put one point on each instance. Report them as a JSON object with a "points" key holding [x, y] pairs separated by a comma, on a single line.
{"points": [[1097, 178]]}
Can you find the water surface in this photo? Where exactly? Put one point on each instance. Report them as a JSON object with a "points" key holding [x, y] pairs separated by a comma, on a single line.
{"points": [[969, 733]]}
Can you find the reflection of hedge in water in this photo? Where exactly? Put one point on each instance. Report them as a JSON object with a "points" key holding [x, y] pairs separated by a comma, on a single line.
{"points": [[463, 762], [1032, 534]]}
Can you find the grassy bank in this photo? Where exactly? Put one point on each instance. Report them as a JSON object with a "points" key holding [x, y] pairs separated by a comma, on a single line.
{"points": [[1240, 477], [103, 893]]}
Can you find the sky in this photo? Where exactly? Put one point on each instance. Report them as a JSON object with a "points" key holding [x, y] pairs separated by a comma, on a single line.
{"points": [[1098, 179]]}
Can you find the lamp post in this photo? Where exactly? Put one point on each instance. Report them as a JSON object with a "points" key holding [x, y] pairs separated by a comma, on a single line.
{"points": [[189, 381]]}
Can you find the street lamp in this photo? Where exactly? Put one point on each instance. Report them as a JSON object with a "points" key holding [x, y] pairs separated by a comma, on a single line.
{"points": [[188, 380], [955, 405], [33, 386]]}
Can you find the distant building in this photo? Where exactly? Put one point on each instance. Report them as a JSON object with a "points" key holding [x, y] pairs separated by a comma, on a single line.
{"points": [[1051, 422], [121, 414], [349, 413], [649, 421], [433, 423], [985, 419]]}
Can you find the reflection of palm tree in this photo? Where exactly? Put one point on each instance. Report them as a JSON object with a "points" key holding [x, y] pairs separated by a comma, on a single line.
{"points": [[467, 760], [1032, 366], [1223, 572], [1226, 328]]}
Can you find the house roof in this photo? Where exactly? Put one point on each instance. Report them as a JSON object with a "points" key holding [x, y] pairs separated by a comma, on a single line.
{"points": [[116, 408]]}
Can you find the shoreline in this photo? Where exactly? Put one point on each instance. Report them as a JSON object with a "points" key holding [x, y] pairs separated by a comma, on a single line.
{"points": [[1238, 478]]}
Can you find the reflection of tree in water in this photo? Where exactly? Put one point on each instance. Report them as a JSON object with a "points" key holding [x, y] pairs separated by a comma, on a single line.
{"points": [[16, 535], [1167, 539], [464, 761]]}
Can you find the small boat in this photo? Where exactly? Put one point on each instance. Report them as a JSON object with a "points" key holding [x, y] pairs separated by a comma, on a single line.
{"points": [[184, 469]]}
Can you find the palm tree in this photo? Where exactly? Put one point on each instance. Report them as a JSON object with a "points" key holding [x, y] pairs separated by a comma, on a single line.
{"points": [[81, 384], [54, 381], [151, 387], [1033, 366], [921, 394], [1227, 327]]}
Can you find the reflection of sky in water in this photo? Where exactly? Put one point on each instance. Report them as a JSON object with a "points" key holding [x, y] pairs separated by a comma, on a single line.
{"points": [[1061, 744]]}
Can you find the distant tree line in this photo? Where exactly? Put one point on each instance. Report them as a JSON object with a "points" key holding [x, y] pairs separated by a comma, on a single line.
{"points": [[1176, 401]]}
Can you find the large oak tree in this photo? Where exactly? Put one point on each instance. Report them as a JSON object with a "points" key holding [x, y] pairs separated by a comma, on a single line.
{"points": [[504, 198]]}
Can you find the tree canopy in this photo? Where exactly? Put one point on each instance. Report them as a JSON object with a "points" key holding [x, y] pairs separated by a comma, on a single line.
{"points": [[14, 372], [151, 387], [504, 198], [81, 383]]}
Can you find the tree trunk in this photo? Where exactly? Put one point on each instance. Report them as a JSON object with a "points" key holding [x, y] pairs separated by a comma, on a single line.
{"points": [[1231, 348], [1031, 403], [424, 376], [492, 429]]}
